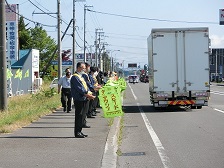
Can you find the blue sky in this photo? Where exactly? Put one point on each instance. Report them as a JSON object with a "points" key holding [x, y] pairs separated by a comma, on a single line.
{"points": [[126, 34]]}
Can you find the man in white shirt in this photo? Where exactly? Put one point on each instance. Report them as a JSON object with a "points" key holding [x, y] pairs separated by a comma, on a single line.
{"points": [[64, 87]]}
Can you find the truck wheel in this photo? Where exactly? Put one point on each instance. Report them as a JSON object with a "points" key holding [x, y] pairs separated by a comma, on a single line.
{"points": [[157, 108], [199, 107], [193, 107]]}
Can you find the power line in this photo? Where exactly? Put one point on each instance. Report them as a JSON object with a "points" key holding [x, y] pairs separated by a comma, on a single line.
{"points": [[79, 35], [42, 10], [150, 19], [126, 35], [78, 44], [125, 38], [47, 13], [133, 53], [42, 6], [37, 23], [128, 47]]}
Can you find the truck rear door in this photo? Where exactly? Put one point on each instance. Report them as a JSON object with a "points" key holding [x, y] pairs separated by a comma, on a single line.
{"points": [[164, 61], [197, 60]]}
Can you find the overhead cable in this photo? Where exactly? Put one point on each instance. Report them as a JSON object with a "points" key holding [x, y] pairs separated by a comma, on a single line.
{"points": [[37, 23], [42, 10], [46, 12], [150, 19]]}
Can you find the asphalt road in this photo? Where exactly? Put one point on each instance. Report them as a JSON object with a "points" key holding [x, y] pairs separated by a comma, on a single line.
{"points": [[172, 138]]}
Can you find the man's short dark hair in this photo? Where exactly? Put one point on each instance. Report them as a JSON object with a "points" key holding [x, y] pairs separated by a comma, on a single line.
{"points": [[93, 69], [79, 64], [87, 64], [68, 73], [66, 69]]}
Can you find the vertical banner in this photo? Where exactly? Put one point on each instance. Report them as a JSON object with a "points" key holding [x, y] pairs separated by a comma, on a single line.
{"points": [[12, 32], [110, 101], [11, 39]]}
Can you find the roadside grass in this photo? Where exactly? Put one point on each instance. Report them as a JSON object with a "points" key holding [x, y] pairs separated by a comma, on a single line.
{"points": [[23, 110], [120, 135]]}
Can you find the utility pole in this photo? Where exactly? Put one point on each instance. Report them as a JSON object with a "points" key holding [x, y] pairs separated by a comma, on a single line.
{"points": [[3, 81], [59, 41], [84, 33], [216, 66], [96, 56], [73, 40], [99, 55], [97, 46], [85, 8]]}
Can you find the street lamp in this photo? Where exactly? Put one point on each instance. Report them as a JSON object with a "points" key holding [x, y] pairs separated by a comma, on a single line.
{"points": [[111, 60]]}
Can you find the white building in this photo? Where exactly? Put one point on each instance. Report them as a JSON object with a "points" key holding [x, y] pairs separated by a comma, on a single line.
{"points": [[28, 62]]}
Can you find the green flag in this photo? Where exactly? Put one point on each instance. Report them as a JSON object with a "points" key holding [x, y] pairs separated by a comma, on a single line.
{"points": [[110, 101], [9, 74], [19, 74], [26, 75]]}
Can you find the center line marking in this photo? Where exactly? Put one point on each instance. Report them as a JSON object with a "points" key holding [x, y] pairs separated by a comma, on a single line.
{"points": [[218, 110], [160, 149]]}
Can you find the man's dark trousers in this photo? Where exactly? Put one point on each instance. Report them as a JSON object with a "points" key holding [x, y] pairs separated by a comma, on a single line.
{"points": [[80, 109], [66, 97], [86, 108]]}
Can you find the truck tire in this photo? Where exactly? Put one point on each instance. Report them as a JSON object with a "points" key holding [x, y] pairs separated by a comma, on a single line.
{"points": [[193, 107], [199, 107]]}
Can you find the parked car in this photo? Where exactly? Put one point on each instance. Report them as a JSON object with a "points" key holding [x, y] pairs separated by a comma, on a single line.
{"points": [[216, 79], [54, 83], [133, 79]]}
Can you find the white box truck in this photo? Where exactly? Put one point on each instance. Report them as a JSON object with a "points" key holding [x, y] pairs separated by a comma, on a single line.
{"points": [[179, 67]]}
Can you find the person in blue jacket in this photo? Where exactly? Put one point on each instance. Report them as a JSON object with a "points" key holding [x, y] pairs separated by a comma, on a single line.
{"points": [[91, 88], [95, 88], [81, 94]]}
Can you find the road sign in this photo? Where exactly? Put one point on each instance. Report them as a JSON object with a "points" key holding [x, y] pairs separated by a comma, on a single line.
{"points": [[132, 65], [221, 16]]}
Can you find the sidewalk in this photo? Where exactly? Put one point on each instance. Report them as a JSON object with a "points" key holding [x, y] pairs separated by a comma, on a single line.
{"points": [[50, 143]]}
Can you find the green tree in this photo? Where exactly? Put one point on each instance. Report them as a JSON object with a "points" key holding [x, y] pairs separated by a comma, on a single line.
{"points": [[44, 43], [24, 34], [37, 38]]}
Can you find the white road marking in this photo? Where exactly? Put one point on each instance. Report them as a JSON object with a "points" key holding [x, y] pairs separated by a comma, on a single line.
{"points": [[218, 110], [217, 92], [161, 150]]}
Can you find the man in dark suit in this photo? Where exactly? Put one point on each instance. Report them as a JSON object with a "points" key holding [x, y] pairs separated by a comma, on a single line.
{"points": [[80, 94]]}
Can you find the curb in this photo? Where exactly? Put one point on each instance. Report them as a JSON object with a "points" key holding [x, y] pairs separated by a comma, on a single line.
{"points": [[110, 152]]}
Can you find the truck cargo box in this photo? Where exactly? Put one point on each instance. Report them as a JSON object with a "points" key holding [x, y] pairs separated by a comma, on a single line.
{"points": [[179, 64]]}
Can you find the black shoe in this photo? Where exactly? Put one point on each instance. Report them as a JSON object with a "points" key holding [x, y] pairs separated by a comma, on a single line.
{"points": [[85, 126], [93, 114], [79, 135], [96, 111], [84, 135], [90, 116]]}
